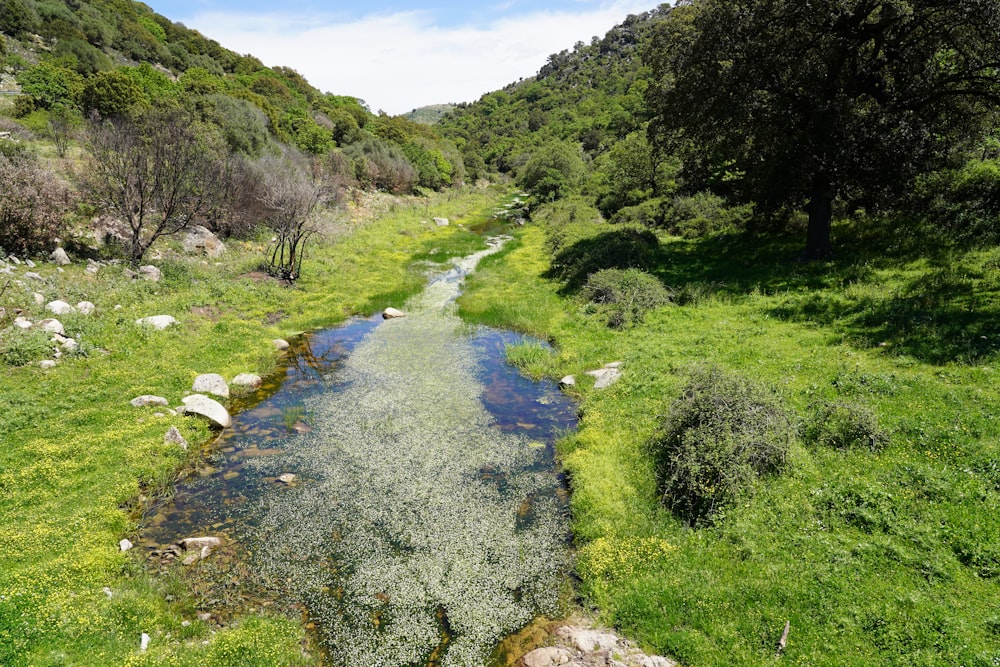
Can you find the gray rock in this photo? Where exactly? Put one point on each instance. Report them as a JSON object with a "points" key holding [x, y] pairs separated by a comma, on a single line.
{"points": [[568, 381], [656, 661], [60, 257], [392, 313], [158, 322], [588, 641], [607, 376], [198, 543], [59, 308], [22, 323], [150, 273], [280, 344], [211, 383], [52, 326], [47, 364], [130, 274], [441, 222], [125, 545], [174, 437], [149, 400], [287, 478], [199, 404], [28, 263], [14, 260], [93, 269], [201, 240], [68, 344], [38, 299], [31, 275], [86, 308], [248, 380], [547, 657]]}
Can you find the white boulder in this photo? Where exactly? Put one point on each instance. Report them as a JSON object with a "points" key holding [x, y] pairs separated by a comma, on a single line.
{"points": [[158, 322], [280, 344], [201, 240], [150, 273], [60, 257], [392, 313], [86, 308], [59, 308], [199, 404], [211, 383], [248, 380], [52, 326]]}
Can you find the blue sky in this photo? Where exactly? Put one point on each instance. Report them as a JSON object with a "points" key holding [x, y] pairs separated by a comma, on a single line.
{"points": [[402, 54]]}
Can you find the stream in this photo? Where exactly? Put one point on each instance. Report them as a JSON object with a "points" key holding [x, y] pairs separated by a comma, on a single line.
{"points": [[426, 520]]}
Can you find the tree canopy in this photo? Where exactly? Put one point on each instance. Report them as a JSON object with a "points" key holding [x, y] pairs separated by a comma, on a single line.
{"points": [[794, 101]]}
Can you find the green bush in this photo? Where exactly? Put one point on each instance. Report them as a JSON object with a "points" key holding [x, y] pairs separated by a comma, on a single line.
{"points": [[703, 214], [617, 248], [648, 214], [721, 435], [624, 296], [961, 203], [20, 348], [845, 426]]}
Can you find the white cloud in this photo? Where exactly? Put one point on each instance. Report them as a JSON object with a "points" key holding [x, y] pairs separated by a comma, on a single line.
{"points": [[397, 62]]}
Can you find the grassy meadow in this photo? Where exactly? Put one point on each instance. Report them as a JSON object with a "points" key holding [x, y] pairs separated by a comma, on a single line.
{"points": [[78, 462], [875, 555]]}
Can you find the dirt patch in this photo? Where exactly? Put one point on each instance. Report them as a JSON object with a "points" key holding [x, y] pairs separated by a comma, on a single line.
{"points": [[210, 313], [275, 317]]}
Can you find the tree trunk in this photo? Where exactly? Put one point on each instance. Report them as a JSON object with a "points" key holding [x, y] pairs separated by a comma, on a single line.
{"points": [[820, 218]]}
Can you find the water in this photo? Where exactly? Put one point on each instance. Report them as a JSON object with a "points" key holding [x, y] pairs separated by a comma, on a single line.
{"points": [[426, 521]]}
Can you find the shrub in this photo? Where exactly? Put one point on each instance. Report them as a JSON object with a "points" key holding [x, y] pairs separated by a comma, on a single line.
{"points": [[20, 348], [618, 248], [962, 203], [648, 214], [382, 165], [33, 203], [845, 426], [624, 296], [702, 214], [721, 435]]}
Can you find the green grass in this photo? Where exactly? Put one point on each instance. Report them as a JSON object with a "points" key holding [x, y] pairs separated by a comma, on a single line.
{"points": [[76, 457], [887, 557]]}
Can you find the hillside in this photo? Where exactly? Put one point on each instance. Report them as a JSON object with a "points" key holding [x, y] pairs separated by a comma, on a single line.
{"points": [[430, 115]]}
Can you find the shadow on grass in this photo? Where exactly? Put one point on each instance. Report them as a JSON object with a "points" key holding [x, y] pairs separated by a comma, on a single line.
{"points": [[890, 285]]}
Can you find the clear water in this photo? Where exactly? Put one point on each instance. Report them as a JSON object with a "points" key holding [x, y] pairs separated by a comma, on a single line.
{"points": [[427, 520]]}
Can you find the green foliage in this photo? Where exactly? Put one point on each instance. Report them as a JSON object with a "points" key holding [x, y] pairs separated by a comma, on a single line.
{"points": [[111, 94], [624, 296], [759, 94], [614, 248], [85, 58], [382, 165], [552, 172], [243, 125], [49, 84], [844, 425], [17, 17], [19, 347], [720, 436], [960, 204], [704, 213]]}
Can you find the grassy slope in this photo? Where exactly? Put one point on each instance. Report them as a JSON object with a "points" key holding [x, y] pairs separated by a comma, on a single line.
{"points": [[76, 455], [887, 558]]}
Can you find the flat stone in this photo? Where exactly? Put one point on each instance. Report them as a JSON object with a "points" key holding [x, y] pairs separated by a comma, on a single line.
{"points": [[59, 308], [47, 364], [158, 322], [211, 383], [60, 257], [31, 275], [588, 641], [23, 323], [280, 344], [148, 400], [248, 380], [199, 404], [52, 326], [568, 381], [86, 308], [441, 222], [547, 656], [69, 344], [150, 273], [287, 478], [656, 661], [392, 313], [191, 560], [605, 377], [198, 543]]}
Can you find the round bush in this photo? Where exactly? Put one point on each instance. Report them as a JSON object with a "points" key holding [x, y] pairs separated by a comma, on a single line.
{"points": [[625, 295], [845, 426], [721, 435]]}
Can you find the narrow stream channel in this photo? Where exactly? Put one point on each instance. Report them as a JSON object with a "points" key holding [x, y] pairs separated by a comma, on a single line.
{"points": [[426, 520]]}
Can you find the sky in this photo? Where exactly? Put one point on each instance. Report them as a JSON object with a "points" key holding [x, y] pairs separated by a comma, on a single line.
{"points": [[398, 55]]}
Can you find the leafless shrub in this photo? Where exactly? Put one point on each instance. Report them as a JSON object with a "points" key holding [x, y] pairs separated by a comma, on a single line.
{"points": [[33, 204]]}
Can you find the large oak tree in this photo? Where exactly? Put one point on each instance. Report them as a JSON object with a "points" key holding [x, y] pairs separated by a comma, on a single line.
{"points": [[802, 100]]}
